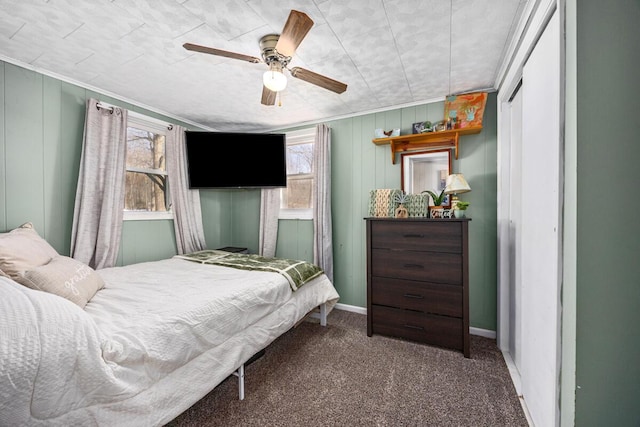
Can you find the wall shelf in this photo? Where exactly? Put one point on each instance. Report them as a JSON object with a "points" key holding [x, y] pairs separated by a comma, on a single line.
{"points": [[442, 139]]}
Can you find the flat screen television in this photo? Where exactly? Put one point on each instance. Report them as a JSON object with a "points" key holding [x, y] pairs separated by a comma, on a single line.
{"points": [[236, 160]]}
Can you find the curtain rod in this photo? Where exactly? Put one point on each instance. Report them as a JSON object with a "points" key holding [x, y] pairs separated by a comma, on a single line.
{"points": [[100, 105], [111, 108]]}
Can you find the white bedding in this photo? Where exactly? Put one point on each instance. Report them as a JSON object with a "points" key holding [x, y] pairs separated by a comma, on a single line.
{"points": [[155, 340]]}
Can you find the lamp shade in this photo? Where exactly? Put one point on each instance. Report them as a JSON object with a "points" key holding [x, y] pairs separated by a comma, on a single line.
{"points": [[456, 184], [274, 79]]}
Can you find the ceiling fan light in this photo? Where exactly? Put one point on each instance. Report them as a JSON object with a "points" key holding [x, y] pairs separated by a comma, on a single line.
{"points": [[274, 80]]}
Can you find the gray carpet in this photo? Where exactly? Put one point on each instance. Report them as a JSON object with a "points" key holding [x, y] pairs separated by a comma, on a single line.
{"points": [[337, 376]]}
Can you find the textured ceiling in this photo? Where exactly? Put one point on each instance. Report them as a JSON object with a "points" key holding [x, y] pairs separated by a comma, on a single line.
{"points": [[388, 52]]}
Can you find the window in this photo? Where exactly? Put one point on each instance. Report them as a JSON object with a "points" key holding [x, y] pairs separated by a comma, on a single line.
{"points": [[146, 183], [296, 201]]}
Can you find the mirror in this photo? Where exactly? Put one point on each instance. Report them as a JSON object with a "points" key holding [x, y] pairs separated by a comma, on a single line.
{"points": [[426, 170]]}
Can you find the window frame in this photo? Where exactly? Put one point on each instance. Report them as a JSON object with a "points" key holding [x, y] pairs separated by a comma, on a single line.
{"points": [[302, 136], [140, 121]]}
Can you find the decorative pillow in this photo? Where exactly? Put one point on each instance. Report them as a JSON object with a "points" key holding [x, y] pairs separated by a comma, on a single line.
{"points": [[65, 277], [22, 249]]}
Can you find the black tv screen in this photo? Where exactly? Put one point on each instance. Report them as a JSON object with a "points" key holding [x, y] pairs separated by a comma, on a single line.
{"points": [[236, 160]]}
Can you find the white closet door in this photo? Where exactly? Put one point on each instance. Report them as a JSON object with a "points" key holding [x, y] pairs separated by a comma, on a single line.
{"points": [[541, 209], [515, 226]]}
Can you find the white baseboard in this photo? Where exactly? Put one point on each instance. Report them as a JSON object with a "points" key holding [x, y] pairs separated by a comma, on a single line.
{"points": [[352, 308], [362, 310], [487, 333]]}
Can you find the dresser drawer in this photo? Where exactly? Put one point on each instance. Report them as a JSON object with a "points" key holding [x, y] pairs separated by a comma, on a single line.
{"points": [[429, 328], [422, 266], [417, 236], [420, 296]]}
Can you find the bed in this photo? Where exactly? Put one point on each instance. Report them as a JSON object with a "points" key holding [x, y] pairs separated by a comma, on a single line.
{"points": [[150, 342]]}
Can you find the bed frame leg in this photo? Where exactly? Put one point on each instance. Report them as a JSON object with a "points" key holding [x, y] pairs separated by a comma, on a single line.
{"points": [[323, 314], [240, 374]]}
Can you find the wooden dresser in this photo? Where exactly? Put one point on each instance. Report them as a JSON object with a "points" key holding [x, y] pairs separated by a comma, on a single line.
{"points": [[418, 280]]}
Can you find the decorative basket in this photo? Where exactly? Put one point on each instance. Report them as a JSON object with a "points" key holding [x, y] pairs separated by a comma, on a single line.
{"points": [[381, 202], [417, 205]]}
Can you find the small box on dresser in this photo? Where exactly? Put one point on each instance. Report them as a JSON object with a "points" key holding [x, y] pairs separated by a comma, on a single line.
{"points": [[418, 280]]}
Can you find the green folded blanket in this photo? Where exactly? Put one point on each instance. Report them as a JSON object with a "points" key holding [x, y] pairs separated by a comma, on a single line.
{"points": [[296, 272]]}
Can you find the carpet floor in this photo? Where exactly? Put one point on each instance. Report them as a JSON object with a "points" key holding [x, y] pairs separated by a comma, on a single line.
{"points": [[337, 376]]}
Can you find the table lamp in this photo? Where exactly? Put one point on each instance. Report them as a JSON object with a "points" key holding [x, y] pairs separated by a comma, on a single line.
{"points": [[456, 184]]}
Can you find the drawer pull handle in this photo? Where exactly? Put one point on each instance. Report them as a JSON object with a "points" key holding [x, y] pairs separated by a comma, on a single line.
{"points": [[420, 328], [419, 236], [414, 266], [413, 296]]}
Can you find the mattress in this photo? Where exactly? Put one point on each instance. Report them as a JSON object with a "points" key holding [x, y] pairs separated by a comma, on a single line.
{"points": [[157, 338]]}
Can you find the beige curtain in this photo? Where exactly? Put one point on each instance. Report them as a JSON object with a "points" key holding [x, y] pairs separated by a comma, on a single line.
{"points": [[269, 212], [185, 203], [322, 229], [99, 205]]}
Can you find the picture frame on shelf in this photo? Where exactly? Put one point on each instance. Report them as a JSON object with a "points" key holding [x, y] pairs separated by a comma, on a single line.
{"points": [[421, 127]]}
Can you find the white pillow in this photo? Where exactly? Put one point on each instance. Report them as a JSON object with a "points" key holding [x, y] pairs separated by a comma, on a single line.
{"points": [[65, 277], [22, 249]]}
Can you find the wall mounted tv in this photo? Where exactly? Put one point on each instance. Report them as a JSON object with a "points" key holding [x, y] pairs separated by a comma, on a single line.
{"points": [[236, 160]]}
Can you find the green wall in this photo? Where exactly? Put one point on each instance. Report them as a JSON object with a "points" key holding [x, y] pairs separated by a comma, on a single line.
{"points": [[40, 147], [608, 242], [41, 127], [359, 166], [231, 217]]}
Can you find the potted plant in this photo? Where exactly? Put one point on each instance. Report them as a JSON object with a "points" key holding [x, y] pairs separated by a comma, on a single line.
{"points": [[460, 208], [438, 199], [401, 199]]}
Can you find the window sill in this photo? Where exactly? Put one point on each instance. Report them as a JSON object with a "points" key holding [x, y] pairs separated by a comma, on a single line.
{"points": [[146, 216], [296, 214]]}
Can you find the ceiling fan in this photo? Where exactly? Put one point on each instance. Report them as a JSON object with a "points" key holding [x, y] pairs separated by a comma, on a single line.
{"points": [[277, 51]]}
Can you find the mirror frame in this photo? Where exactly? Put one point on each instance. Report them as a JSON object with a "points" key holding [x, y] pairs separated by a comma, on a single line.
{"points": [[409, 158]]}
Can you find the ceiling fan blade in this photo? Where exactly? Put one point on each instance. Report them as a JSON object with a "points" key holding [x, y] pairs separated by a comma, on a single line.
{"points": [[218, 52], [318, 79], [295, 29], [268, 96]]}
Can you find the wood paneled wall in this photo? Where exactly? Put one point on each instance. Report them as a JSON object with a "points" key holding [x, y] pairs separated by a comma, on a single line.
{"points": [[359, 166], [40, 147]]}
